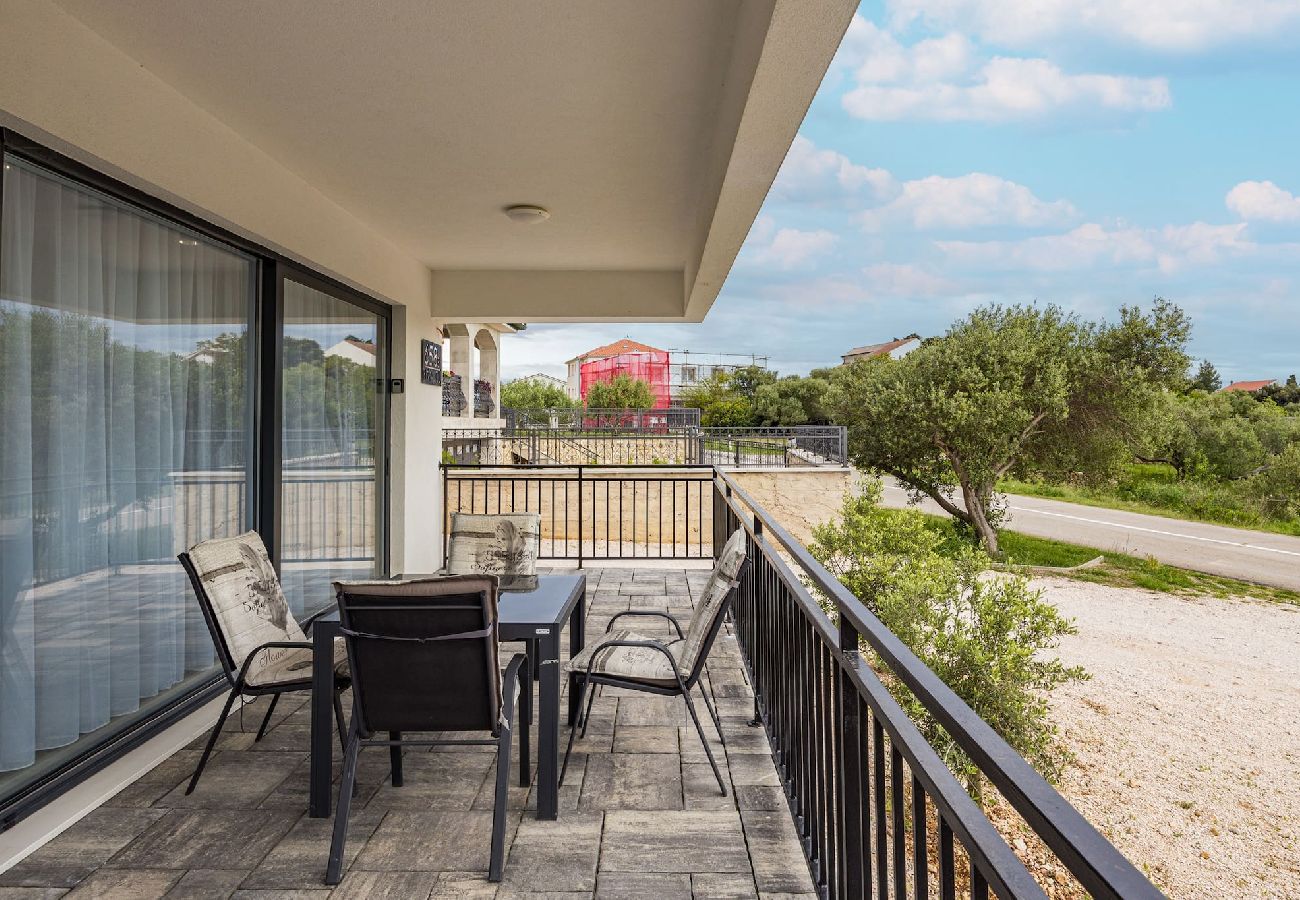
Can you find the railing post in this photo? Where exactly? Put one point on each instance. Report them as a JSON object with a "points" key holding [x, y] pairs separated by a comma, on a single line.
{"points": [[856, 868], [580, 517], [758, 709]]}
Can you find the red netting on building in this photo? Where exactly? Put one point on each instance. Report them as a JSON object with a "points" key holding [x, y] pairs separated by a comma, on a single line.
{"points": [[650, 367]]}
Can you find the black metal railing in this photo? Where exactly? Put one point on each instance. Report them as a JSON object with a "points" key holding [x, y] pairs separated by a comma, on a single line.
{"points": [[594, 512], [483, 404], [584, 418], [794, 447], [878, 812]]}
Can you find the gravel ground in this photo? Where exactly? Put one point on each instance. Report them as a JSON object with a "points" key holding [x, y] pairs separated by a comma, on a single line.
{"points": [[1187, 736]]}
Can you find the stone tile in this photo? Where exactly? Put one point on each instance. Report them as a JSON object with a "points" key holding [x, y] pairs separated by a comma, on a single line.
{"points": [[719, 886], [207, 884], [700, 788], [436, 780], [234, 780], [383, 885], [433, 841], [300, 857], [290, 894], [638, 885], [762, 797], [664, 841], [554, 856], [779, 864], [31, 893], [752, 768], [464, 886], [650, 710], [626, 781], [125, 884], [645, 739], [206, 839], [82, 848]]}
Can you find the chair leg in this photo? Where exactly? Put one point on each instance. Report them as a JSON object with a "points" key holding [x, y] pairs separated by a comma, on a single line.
{"points": [[591, 699], [266, 719], [395, 757], [496, 863], [690, 707], [573, 730], [713, 713], [525, 716], [340, 721], [334, 870], [212, 740]]}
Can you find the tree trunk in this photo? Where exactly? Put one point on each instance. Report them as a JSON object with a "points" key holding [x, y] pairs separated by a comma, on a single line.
{"points": [[979, 520]]}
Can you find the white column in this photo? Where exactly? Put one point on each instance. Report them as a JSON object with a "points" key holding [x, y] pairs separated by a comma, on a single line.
{"points": [[415, 507], [462, 359], [489, 366]]}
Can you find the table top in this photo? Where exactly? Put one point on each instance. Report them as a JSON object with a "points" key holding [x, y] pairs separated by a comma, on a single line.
{"points": [[548, 604]]}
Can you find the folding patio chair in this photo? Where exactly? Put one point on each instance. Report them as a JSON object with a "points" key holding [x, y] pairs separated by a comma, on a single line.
{"points": [[262, 648], [423, 658], [626, 659]]}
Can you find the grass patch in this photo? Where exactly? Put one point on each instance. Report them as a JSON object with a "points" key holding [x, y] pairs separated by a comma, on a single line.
{"points": [[1119, 569], [1154, 489]]}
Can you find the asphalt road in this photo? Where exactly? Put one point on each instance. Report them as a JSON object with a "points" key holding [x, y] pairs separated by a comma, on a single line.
{"points": [[1272, 559]]}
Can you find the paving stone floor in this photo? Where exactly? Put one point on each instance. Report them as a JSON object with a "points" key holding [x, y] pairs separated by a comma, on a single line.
{"points": [[641, 815]]}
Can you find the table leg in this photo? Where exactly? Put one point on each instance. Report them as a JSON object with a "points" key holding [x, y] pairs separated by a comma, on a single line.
{"points": [[548, 729], [322, 725], [577, 640], [526, 715], [395, 758]]}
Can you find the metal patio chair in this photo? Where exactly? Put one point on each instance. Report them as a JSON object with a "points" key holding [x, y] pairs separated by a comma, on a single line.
{"points": [[423, 658], [262, 648], [626, 659]]}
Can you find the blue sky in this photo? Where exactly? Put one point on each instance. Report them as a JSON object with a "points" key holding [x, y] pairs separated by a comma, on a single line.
{"points": [[961, 152]]}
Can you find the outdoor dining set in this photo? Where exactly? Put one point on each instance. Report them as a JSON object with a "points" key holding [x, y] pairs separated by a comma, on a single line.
{"points": [[418, 657]]}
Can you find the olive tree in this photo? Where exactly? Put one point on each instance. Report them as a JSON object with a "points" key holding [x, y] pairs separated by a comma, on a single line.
{"points": [[1010, 389]]}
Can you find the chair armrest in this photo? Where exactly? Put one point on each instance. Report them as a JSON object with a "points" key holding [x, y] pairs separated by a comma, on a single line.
{"points": [[311, 620], [646, 612], [514, 679], [270, 645], [651, 644]]}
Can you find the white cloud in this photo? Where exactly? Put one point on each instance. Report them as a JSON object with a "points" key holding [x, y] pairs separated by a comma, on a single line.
{"points": [[903, 280], [1092, 245], [1002, 89], [967, 201], [791, 248], [1263, 201], [814, 175], [1164, 25]]}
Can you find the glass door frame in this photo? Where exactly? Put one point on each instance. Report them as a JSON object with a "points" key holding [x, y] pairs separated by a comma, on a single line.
{"points": [[266, 333]]}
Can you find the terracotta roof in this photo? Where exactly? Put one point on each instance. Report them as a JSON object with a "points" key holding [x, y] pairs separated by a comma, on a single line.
{"points": [[361, 345], [882, 349], [622, 345], [1250, 386]]}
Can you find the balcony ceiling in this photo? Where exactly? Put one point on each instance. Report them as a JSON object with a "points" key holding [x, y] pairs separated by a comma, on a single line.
{"points": [[650, 130]]}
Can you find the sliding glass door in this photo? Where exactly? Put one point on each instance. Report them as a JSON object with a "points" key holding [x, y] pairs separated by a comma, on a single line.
{"points": [[333, 360], [125, 436]]}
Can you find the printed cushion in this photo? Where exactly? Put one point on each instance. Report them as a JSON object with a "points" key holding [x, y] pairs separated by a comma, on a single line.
{"points": [[249, 606], [295, 665], [725, 572], [637, 663], [504, 545]]}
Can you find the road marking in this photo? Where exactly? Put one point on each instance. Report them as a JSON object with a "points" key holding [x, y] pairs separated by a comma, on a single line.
{"points": [[1190, 537]]}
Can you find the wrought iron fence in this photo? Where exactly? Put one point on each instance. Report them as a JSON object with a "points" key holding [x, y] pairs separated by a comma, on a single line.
{"points": [[594, 512], [812, 445], [483, 405], [593, 418], [878, 812]]}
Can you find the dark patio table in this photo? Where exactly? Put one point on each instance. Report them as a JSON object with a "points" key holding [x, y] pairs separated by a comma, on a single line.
{"points": [[535, 616]]}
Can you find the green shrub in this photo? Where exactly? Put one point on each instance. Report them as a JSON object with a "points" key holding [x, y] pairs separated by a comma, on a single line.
{"points": [[987, 636]]}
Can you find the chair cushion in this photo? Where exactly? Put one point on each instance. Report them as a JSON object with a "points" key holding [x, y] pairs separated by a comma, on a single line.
{"points": [[246, 600], [636, 663], [504, 545], [725, 571], [295, 665]]}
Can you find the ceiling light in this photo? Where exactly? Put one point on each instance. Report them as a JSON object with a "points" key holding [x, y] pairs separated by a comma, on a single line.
{"points": [[526, 214]]}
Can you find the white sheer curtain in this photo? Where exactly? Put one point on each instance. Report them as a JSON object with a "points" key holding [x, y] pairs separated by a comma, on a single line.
{"points": [[123, 406]]}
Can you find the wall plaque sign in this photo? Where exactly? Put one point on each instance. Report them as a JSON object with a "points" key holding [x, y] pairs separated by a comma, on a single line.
{"points": [[430, 362]]}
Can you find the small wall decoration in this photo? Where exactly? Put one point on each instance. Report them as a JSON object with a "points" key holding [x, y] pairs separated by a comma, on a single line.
{"points": [[431, 362]]}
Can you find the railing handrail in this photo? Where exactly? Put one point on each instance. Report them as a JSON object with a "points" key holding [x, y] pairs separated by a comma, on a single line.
{"points": [[1093, 860]]}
